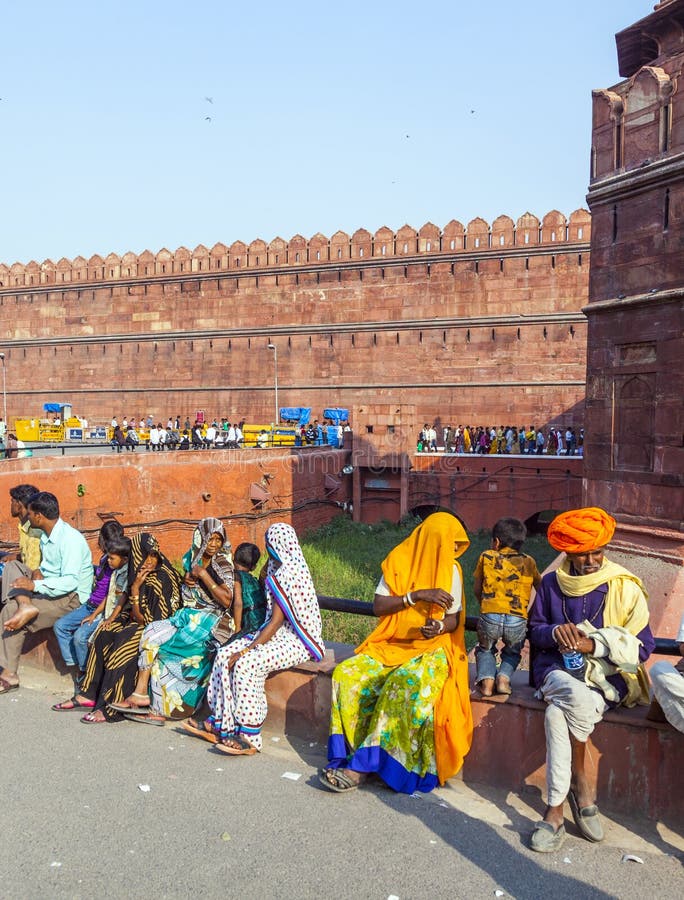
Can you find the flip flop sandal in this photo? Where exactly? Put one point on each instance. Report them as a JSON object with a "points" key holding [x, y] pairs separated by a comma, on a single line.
{"points": [[144, 697], [88, 719], [6, 687], [202, 733], [133, 710], [245, 748], [344, 782], [545, 839], [71, 705], [587, 819], [147, 719]]}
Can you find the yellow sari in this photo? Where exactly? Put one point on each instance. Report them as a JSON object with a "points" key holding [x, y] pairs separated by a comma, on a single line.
{"points": [[426, 559]]}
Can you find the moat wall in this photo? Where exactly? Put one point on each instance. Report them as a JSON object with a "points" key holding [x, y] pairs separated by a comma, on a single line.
{"points": [[438, 318]]}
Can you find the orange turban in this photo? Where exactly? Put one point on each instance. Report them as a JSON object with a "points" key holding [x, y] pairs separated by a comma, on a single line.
{"points": [[581, 530]]}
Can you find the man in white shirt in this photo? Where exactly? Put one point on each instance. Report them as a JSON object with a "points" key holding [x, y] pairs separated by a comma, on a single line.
{"points": [[210, 436]]}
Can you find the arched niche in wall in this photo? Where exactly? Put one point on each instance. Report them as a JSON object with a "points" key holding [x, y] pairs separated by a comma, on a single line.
{"points": [[634, 416]]}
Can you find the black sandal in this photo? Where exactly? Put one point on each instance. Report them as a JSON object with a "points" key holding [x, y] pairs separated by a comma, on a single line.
{"points": [[73, 704], [337, 780]]}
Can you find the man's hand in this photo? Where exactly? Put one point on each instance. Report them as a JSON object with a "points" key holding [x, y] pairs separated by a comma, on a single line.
{"points": [[37, 575], [23, 584], [569, 637]]}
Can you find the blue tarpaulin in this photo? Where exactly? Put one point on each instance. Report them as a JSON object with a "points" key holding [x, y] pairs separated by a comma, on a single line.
{"points": [[300, 414], [336, 415], [54, 407]]}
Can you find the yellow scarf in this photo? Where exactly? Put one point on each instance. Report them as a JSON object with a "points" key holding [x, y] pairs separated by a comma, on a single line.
{"points": [[426, 559], [626, 607]]}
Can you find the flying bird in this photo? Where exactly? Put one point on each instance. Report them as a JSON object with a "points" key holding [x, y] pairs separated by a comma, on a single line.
{"points": [[207, 118], [209, 99]]}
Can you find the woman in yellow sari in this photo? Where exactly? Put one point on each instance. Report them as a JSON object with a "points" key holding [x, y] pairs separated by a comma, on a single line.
{"points": [[401, 706]]}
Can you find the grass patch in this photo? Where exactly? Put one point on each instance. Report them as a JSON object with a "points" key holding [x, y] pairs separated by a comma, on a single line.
{"points": [[345, 557]]}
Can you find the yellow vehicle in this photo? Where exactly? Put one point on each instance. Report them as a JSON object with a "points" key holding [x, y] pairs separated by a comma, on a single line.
{"points": [[39, 430], [275, 436]]}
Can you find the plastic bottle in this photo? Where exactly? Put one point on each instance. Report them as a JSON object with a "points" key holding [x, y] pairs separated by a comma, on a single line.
{"points": [[574, 663]]}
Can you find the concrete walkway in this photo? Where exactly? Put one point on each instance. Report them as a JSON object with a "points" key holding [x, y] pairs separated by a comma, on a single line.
{"points": [[76, 824]]}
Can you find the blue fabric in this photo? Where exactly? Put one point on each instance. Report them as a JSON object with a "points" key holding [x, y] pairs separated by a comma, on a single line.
{"points": [[336, 415], [377, 761], [72, 635]]}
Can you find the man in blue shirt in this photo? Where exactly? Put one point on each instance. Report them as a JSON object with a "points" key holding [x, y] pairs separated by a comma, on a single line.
{"points": [[35, 600]]}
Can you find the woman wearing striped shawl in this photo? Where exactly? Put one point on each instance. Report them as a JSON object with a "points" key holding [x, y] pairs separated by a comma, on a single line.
{"points": [[291, 634]]}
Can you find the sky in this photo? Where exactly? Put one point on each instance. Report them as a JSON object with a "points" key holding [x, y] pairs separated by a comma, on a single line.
{"points": [[138, 124]]}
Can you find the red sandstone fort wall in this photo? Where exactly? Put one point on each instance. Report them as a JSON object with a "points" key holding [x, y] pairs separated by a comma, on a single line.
{"points": [[634, 448], [440, 319]]}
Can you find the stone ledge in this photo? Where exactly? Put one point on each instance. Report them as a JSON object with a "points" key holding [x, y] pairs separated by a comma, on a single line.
{"points": [[638, 761]]}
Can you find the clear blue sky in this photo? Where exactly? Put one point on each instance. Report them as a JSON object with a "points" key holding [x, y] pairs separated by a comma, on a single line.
{"points": [[325, 116]]}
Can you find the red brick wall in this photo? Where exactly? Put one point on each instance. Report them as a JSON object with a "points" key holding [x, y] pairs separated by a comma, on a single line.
{"points": [[482, 489], [438, 319], [167, 493], [635, 375]]}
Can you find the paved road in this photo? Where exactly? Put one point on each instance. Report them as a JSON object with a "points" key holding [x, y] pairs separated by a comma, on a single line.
{"points": [[75, 824]]}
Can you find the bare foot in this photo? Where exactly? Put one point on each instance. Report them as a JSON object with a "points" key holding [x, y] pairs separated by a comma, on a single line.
{"points": [[554, 816], [583, 791], [22, 617]]}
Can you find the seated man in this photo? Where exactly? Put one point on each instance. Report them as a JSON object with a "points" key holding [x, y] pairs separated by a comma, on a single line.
{"points": [[667, 682], [35, 600], [589, 632], [29, 538]]}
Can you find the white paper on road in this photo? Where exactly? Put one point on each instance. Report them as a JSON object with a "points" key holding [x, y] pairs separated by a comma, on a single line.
{"points": [[145, 788], [293, 776]]}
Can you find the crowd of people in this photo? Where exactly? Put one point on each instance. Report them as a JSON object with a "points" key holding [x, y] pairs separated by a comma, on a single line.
{"points": [[216, 434], [147, 642], [126, 435], [504, 439]]}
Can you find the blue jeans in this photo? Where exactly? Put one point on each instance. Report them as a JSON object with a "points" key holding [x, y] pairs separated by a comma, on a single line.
{"points": [[492, 628], [72, 635]]}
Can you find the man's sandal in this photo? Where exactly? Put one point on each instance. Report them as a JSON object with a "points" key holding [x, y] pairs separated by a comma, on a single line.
{"points": [[587, 819], [337, 780], [545, 839]]}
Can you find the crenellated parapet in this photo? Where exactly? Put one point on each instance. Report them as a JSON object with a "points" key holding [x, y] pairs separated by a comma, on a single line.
{"points": [[503, 234]]}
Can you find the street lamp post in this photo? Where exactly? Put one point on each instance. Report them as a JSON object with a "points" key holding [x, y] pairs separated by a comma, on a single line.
{"points": [[4, 395], [275, 365]]}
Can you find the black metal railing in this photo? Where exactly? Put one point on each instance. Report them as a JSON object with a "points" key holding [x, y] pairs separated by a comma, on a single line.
{"points": [[664, 646]]}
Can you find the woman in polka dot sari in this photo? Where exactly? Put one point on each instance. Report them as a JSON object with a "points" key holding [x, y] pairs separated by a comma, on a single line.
{"points": [[291, 634]]}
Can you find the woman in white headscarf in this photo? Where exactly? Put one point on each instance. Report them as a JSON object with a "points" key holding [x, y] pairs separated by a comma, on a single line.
{"points": [[291, 634]]}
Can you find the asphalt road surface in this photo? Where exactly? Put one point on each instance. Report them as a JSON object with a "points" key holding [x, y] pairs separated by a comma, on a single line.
{"points": [[78, 821]]}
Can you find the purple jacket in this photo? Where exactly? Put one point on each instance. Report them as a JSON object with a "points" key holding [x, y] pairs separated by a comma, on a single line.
{"points": [[547, 612]]}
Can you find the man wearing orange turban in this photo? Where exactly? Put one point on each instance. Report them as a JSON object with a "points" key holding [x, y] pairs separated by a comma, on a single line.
{"points": [[590, 636]]}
